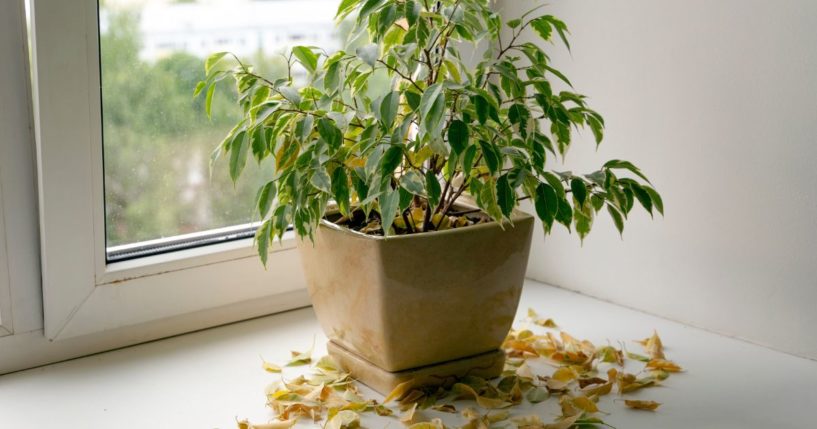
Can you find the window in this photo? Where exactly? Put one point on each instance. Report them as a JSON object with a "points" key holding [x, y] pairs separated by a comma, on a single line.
{"points": [[122, 229], [160, 195]]}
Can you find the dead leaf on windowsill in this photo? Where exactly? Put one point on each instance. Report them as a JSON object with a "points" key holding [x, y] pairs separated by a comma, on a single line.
{"points": [[444, 408], [300, 358], [664, 365], [344, 420], [610, 354], [407, 418], [270, 367], [540, 321], [466, 391], [399, 391], [642, 405], [653, 346], [534, 422], [434, 424], [638, 357], [285, 424]]}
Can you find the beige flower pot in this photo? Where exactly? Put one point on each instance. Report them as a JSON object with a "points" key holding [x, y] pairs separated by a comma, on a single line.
{"points": [[405, 302]]}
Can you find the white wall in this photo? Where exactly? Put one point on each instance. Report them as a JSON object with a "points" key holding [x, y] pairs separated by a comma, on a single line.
{"points": [[717, 102]]}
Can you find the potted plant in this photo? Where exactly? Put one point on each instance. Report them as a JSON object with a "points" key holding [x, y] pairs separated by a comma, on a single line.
{"points": [[405, 197]]}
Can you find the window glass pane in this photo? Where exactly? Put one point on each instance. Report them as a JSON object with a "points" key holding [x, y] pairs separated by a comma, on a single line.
{"points": [[157, 138]]}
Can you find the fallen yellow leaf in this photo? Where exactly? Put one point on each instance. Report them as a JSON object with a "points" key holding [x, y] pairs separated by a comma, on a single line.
{"points": [[642, 405], [398, 392], [653, 346], [664, 365]]}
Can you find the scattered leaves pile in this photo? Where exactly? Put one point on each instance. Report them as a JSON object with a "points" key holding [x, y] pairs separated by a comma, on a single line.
{"points": [[540, 368]]}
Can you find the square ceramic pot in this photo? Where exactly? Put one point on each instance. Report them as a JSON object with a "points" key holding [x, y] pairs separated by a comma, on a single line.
{"points": [[409, 301]]}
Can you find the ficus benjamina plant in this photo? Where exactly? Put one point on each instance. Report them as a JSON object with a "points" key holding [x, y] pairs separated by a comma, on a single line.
{"points": [[402, 157]]}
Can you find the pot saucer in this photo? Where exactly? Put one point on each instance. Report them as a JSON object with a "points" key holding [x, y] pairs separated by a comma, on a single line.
{"points": [[485, 365]]}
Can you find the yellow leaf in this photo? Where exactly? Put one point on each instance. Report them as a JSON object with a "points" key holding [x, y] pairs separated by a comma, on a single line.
{"points": [[585, 404], [399, 391], [301, 358], [547, 323], [284, 424], [565, 374], [664, 365], [565, 423], [445, 408], [653, 346], [434, 424], [408, 416], [598, 389], [270, 367], [484, 402], [642, 405], [638, 357], [610, 355], [344, 420]]}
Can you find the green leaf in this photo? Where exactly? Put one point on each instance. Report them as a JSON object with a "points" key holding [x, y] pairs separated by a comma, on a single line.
{"points": [[238, 154], [490, 155], [561, 28], [506, 197], [514, 23], [391, 160], [320, 179], [389, 202], [642, 196], [291, 94], [259, 143], [618, 220], [579, 189], [412, 12], [330, 133], [546, 203], [367, 9], [413, 182], [482, 107], [657, 201], [306, 57], [340, 190], [413, 99], [519, 114], [264, 198], [345, 7], [542, 27], [558, 74], [199, 88], [388, 109], [212, 60], [208, 102], [262, 237], [433, 189], [433, 122], [626, 165], [386, 18], [368, 53], [331, 80], [468, 160], [429, 97], [565, 214], [458, 136]]}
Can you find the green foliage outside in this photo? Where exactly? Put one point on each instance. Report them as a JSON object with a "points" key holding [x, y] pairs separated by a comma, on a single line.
{"points": [[157, 143]]}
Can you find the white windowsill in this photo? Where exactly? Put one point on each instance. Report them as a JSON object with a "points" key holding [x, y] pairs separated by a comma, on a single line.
{"points": [[207, 379]]}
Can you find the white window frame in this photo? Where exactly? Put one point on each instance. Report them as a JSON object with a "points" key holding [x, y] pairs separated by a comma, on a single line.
{"points": [[82, 294], [6, 320]]}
